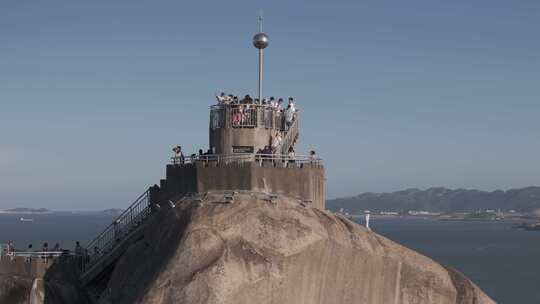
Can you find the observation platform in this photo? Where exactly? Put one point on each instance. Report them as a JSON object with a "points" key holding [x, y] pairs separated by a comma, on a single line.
{"points": [[245, 155], [247, 128], [301, 177]]}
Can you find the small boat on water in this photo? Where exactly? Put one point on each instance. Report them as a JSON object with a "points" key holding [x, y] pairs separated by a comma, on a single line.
{"points": [[26, 219]]}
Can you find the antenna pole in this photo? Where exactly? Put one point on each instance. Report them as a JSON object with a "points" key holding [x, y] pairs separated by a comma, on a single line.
{"points": [[260, 41], [260, 74], [260, 64]]}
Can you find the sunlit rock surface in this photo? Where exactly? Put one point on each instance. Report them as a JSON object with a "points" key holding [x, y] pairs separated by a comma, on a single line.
{"points": [[262, 250]]}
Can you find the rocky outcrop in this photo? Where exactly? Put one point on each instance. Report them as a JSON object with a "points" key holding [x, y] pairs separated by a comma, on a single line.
{"points": [[58, 286], [15, 289], [258, 249]]}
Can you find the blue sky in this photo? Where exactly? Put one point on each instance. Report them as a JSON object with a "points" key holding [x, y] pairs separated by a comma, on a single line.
{"points": [[393, 94]]}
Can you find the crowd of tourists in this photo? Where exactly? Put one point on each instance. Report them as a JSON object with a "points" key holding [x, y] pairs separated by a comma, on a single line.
{"points": [[272, 102], [179, 157], [244, 114]]}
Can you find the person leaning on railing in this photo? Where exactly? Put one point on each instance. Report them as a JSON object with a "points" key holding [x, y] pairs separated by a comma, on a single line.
{"points": [[247, 100], [312, 157], [291, 104], [237, 116], [224, 99], [292, 157], [273, 102], [178, 156]]}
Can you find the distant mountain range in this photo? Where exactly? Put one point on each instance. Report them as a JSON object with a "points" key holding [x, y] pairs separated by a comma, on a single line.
{"points": [[440, 199]]}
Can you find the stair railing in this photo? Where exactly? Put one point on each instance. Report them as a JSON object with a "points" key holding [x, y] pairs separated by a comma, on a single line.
{"points": [[121, 227], [290, 137]]}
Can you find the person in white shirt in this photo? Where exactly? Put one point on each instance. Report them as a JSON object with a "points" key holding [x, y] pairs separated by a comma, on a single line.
{"points": [[276, 141], [178, 155], [280, 141], [222, 98], [272, 102], [289, 116], [312, 157], [291, 104]]}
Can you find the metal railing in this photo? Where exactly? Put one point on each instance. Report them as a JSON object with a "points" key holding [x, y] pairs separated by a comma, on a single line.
{"points": [[242, 117], [217, 117], [245, 157], [286, 160], [219, 158], [279, 121], [291, 135], [246, 116], [268, 118], [125, 223], [9, 253], [38, 254]]}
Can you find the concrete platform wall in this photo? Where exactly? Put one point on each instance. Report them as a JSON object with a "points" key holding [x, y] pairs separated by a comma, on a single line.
{"points": [[305, 182], [20, 266]]}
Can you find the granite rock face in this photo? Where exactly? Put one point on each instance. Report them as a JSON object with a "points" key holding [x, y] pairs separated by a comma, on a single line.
{"points": [[257, 249], [57, 286], [15, 289]]}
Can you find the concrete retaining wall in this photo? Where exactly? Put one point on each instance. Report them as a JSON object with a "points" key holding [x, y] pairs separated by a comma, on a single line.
{"points": [[20, 266], [305, 182]]}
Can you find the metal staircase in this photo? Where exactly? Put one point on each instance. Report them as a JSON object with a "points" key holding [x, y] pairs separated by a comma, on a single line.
{"points": [[291, 137], [109, 244]]}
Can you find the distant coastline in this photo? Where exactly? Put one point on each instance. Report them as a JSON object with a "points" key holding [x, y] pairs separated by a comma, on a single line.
{"points": [[25, 211], [440, 200], [107, 212]]}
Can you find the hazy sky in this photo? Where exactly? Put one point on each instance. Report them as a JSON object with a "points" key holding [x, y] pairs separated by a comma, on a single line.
{"points": [[393, 94]]}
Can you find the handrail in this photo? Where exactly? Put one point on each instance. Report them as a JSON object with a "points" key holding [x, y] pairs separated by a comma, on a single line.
{"points": [[243, 117], [220, 158], [38, 254], [292, 132], [105, 242], [243, 157], [246, 116]]}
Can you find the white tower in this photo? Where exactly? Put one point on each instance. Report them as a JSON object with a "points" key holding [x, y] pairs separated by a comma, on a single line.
{"points": [[366, 216]]}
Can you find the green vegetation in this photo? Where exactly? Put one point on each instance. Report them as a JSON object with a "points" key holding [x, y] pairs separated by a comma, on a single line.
{"points": [[441, 200]]}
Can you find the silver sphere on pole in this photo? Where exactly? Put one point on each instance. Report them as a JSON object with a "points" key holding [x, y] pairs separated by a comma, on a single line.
{"points": [[260, 41]]}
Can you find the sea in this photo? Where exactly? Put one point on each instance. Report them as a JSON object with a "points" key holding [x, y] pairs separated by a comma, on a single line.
{"points": [[503, 261]]}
